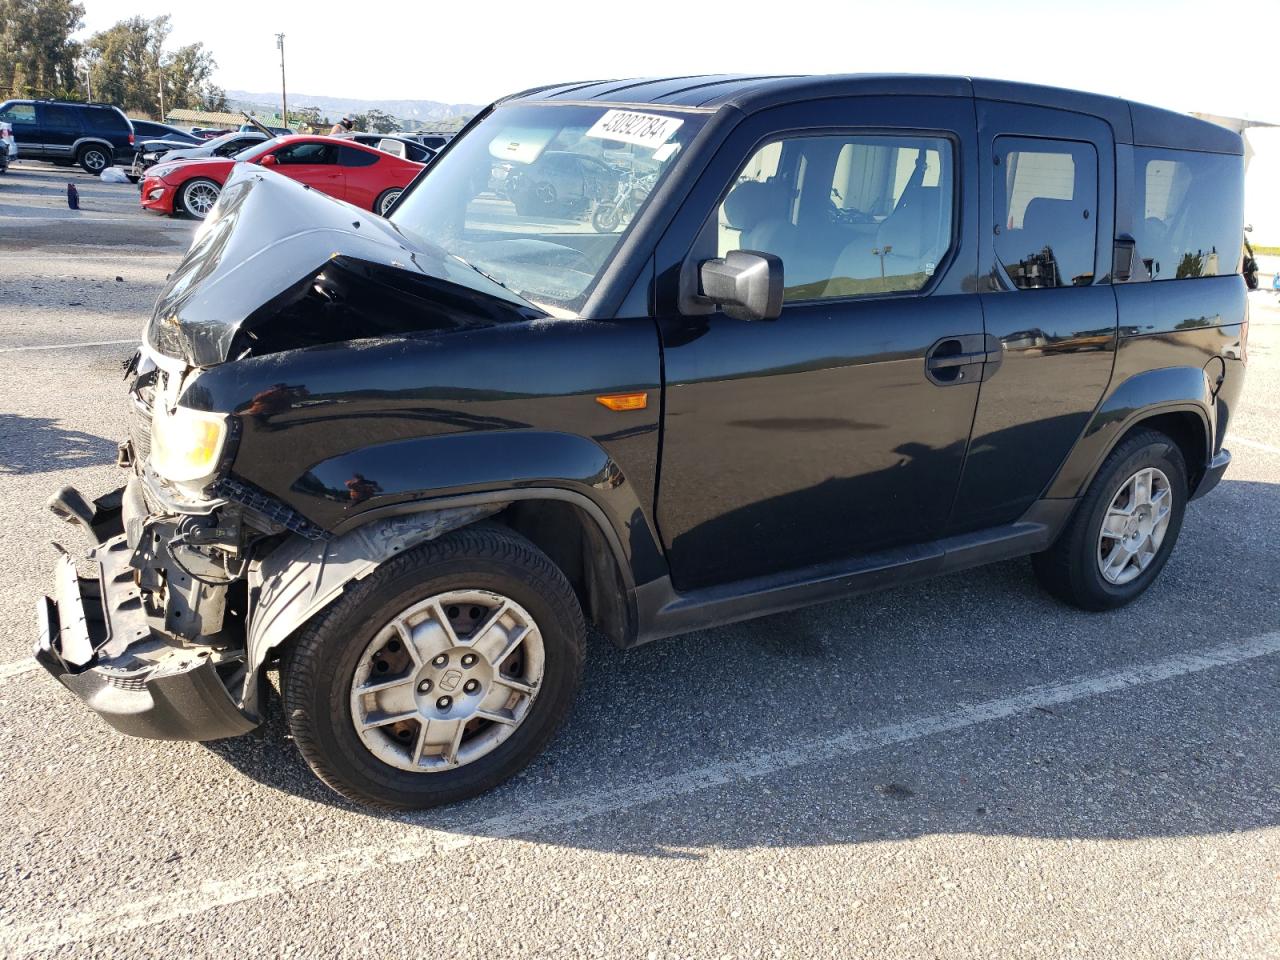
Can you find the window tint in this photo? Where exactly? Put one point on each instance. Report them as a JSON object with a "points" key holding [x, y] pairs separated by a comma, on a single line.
{"points": [[1190, 208], [1046, 211], [59, 116], [102, 120], [351, 157], [19, 113], [310, 152], [848, 216]]}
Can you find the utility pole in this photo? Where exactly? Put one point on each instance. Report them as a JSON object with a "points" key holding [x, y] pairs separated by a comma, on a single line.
{"points": [[160, 74], [284, 100]]}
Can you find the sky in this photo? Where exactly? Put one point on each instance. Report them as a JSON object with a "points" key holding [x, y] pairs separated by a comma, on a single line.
{"points": [[1184, 56]]}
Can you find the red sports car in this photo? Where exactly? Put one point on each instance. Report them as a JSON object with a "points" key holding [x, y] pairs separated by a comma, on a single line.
{"points": [[350, 171]]}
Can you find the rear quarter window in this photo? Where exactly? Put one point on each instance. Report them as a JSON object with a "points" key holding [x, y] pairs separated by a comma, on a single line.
{"points": [[1189, 212], [103, 121]]}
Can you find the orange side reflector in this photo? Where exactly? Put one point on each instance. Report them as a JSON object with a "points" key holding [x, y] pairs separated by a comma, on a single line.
{"points": [[624, 401]]}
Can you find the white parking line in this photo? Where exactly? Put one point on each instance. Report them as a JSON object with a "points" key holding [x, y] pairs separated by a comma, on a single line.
{"points": [[17, 668], [68, 346], [119, 915], [1251, 444]]}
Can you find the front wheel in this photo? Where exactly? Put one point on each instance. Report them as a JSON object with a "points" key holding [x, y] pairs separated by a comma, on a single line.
{"points": [[438, 676], [1124, 528], [198, 196]]}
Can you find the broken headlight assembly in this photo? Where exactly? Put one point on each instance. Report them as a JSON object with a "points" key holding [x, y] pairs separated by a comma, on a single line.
{"points": [[187, 445]]}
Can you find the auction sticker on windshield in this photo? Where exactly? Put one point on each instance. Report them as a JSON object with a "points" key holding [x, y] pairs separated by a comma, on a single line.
{"points": [[643, 129]]}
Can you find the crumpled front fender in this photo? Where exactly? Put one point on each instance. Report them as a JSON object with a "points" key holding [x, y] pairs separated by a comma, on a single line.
{"points": [[301, 577]]}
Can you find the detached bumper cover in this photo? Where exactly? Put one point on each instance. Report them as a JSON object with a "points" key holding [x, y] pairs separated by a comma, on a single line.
{"points": [[94, 637], [1213, 473]]}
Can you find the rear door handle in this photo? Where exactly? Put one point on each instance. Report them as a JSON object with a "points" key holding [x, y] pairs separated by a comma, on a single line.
{"points": [[963, 359]]}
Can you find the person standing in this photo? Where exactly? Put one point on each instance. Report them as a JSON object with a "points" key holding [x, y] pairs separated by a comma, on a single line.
{"points": [[342, 128]]}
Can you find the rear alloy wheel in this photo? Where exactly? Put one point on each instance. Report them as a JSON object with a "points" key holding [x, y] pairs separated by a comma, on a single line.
{"points": [[198, 197], [439, 675], [1124, 528], [382, 206], [93, 159]]}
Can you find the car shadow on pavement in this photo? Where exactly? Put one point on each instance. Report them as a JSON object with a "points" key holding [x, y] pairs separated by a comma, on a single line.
{"points": [[43, 445]]}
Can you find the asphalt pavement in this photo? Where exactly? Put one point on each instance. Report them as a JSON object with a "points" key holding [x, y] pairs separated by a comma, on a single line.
{"points": [[961, 768]]}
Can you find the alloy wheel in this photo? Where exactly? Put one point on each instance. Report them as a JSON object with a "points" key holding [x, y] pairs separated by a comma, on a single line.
{"points": [[1134, 526], [447, 681]]}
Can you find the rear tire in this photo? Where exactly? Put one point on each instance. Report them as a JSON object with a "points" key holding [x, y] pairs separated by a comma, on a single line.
{"points": [[1086, 567], [93, 159], [382, 205], [331, 662]]}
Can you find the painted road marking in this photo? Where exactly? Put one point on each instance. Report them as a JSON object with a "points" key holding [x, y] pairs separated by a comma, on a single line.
{"points": [[118, 915], [1251, 444], [70, 346]]}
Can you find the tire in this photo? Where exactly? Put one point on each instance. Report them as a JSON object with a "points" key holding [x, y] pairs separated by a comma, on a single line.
{"points": [[195, 196], [386, 199], [1072, 569], [93, 159], [325, 662], [605, 217]]}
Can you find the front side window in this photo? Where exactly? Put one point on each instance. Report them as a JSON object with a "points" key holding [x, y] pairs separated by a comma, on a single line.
{"points": [[539, 197], [847, 215], [1046, 210], [1190, 208], [19, 114]]}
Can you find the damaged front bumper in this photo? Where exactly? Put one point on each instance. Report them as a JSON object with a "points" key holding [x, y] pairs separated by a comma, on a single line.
{"points": [[96, 636]]}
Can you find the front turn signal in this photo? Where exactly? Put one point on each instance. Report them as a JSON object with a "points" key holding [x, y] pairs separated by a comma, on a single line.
{"points": [[624, 401]]}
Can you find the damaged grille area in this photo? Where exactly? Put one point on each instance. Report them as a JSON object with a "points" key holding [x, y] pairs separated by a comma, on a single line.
{"points": [[141, 399]]}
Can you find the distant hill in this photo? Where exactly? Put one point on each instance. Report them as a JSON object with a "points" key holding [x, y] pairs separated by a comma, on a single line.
{"points": [[417, 112]]}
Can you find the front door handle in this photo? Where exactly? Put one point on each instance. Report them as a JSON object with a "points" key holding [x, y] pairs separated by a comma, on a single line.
{"points": [[963, 359]]}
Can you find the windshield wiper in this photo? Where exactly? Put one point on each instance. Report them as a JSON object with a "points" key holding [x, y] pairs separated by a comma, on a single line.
{"points": [[490, 277]]}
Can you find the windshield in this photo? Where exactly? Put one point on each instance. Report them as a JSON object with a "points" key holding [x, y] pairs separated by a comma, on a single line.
{"points": [[262, 147], [539, 197]]}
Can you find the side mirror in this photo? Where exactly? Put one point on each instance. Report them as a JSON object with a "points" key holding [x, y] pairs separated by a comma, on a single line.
{"points": [[269, 160], [747, 284]]}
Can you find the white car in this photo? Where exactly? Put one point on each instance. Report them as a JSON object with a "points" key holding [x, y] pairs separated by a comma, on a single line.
{"points": [[8, 146]]}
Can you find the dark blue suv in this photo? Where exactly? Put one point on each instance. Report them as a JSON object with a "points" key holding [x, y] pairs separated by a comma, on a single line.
{"points": [[94, 135]]}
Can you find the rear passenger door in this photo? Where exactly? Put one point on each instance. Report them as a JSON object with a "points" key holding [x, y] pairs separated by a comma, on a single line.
{"points": [[59, 129], [1048, 201], [828, 433]]}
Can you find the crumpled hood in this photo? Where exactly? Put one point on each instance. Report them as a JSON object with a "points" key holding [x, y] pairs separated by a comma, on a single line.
{"points": [[279, 266]]}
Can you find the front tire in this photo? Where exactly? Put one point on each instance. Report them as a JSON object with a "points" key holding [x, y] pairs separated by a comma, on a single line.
{"points": [[440, 675], [1123, 530], [198, 196]]}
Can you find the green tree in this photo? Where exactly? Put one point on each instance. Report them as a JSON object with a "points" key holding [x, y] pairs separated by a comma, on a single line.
{"points": [[129, 64], [380, 122], [37, 54]]}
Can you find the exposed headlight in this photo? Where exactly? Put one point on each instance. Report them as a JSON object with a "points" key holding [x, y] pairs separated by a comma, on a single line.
{"points": [[186, 444], [161, 171]]}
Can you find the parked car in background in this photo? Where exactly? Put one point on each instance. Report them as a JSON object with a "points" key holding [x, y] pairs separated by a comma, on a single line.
{"points": [[255, 125], [227, 145], [208, 133], [561, 183], [94, 135], [435, 141], [8, 146], [369, 178], [864, 330], [400, 146], [150, 130]]}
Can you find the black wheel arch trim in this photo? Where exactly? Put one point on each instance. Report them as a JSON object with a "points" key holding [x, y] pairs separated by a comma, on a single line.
{"points": [[1152, 393]]}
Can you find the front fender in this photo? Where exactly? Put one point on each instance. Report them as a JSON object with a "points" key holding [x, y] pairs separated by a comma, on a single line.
{"points": [[1146, 394], [347, 490]]}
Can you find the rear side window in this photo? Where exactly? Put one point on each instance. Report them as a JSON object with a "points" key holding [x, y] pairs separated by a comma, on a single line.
{"points": [[19, 114], [102, 120], [848, 216], [351, 157], [1189, 212], [1046, 199]]}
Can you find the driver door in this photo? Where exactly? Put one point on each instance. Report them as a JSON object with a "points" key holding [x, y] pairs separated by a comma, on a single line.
{"points": [[314, 163]]}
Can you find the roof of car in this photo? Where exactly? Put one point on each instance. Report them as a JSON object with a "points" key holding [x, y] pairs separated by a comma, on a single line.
{"points": [[1135, 123]]}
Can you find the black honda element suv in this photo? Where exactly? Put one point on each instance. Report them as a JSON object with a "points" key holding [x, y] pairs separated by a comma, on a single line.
{"points": [[848, 332]]}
